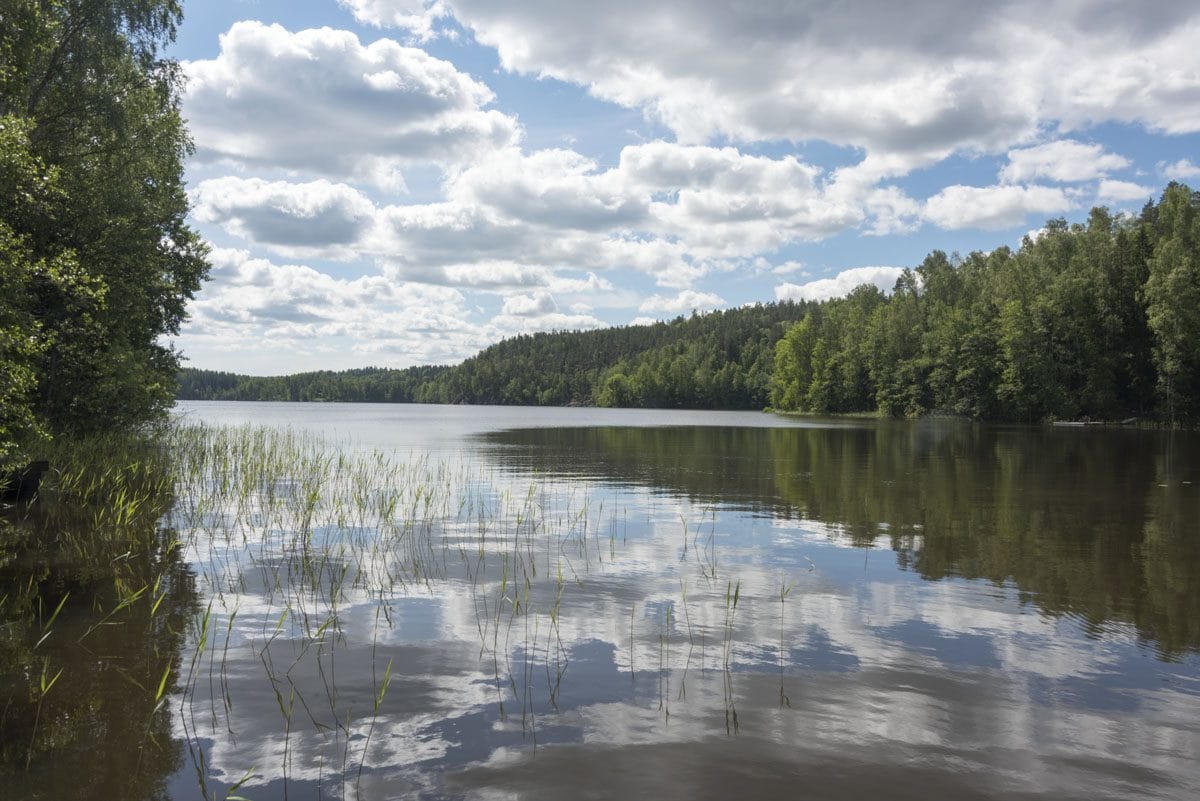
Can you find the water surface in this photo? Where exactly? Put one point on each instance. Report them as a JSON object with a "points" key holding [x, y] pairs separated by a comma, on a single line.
{"points": [[623, 604]]}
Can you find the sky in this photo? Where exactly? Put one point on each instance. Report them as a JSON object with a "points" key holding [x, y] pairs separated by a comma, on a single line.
{"points": [[396, 182]]}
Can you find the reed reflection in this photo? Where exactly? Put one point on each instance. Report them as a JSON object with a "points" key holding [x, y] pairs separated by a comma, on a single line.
{"points": [[95, 602]]}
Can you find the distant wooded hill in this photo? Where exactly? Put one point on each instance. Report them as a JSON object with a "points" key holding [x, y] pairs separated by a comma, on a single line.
{"points": [[1098, 320], [719, 360]]}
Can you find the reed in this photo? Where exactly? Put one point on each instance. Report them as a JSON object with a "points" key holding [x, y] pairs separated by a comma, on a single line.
{"points": [[257, 549]]}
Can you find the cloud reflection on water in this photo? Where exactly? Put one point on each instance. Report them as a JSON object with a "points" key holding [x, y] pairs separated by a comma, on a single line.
{"points": [[899, 673]]}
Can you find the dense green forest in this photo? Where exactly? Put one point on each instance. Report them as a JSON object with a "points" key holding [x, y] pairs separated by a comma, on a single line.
{"points": [[1098, 320], [96, 261], [720, 360], [368, 385]]}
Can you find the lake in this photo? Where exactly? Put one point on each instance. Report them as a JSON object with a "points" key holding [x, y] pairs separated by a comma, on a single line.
{"points": [[484, 602]]}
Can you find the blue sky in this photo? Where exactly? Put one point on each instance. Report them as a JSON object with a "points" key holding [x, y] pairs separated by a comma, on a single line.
{"points": [[397, 182]]}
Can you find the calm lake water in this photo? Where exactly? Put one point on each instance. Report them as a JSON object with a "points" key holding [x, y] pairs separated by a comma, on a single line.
{"points": [[663, 604]]}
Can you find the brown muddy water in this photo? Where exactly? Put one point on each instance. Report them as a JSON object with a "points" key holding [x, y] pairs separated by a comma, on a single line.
{"points": [[498, 603]]}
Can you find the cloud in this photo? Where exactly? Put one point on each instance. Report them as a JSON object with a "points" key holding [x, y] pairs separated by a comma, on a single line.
{"points": [[591, 283], [726, 203], [916, 80], [790, 267], [270, 311], [993, 207], [642, 320], [539, 311], [687, 300], [1182, 170], [559, 189], [1123, 191], [841, 284], [415, 16], [296, 218], [516, 219], [319, 101], [720, 202], [254, 303], [538, 304], [891, 211], [1064, 160]]}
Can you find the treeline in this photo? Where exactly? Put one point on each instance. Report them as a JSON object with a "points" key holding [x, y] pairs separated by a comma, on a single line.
{"points": [[96, 260], [1098, 320], [720, 360], [367, 385]]}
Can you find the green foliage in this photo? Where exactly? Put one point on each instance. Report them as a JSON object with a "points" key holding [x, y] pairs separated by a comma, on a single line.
{"points": [[721, 360], [1173, 301], [31, 285], [1096, 321], [97, 263], [369, 385]]}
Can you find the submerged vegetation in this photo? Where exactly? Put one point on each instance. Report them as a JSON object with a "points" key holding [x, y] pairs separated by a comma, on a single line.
{"points": [[1098, 321], [94, 601]]}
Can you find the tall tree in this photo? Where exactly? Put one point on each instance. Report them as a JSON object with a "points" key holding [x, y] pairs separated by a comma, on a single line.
{"points": [[1173, 301], [98, 110]]}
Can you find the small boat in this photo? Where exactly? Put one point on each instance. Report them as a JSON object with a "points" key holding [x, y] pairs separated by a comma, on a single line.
{"points": [[22, 485]]}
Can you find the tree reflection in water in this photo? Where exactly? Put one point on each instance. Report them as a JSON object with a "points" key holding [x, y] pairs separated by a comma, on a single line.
{"points": [[1100, 524], [94, 612]]}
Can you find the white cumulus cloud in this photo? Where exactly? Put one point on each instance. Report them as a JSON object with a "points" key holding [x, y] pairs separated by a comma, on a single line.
{"points": [[320, 101], [1064, 160], [685, 301], [917, 80], [317, 217], [538, 304], [993, 207], [1123, 191], [416, 16], [1182, 170], [841, 284], [270, 312]]}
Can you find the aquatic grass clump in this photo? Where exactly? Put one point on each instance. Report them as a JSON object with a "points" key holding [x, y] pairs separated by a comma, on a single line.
{"points": [[93, 595], [274, 559]]}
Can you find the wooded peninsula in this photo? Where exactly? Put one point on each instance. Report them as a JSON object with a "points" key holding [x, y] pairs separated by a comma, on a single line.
{"points": [[1099, 320]]}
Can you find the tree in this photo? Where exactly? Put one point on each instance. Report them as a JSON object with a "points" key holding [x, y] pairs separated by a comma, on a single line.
{"points": [[101, 260], [29, 284], [1173, 301], [897, 367], [793, 366]]}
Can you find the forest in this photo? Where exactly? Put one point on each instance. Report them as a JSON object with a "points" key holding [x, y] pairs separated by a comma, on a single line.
{"points": [[97, 262], [719, 360], [1086, 321], [1096, 321]]}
